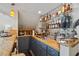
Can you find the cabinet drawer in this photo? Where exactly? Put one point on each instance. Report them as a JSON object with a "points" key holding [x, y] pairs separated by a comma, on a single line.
{"points": [[52, 51]]}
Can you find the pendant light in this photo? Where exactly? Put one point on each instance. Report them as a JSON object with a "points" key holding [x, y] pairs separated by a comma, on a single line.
{"points": [[12, 11]]}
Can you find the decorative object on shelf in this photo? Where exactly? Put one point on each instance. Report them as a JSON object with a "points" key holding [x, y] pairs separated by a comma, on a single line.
{"points": [[59, 12], [46, 18], [53, 14], [62, 9], [56, 13], [76, 24]]}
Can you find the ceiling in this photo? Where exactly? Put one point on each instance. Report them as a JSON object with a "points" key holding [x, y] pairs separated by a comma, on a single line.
{"points": [[28, 12]]}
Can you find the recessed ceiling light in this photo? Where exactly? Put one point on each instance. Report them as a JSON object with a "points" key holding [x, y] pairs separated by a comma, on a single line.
{"points": [[39, 12], [40, 19]]}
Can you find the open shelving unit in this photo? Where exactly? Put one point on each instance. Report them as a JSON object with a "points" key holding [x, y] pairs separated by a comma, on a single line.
{"points": [[53, 17]]}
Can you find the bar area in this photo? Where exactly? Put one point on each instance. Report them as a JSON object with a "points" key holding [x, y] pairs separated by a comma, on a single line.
{"points": [[39, 29]]}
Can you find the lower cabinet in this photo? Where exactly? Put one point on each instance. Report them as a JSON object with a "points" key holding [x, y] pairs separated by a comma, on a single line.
{"points": [[34, 47], [42, 52], [41, 49], [52, 52], [23, 44], [38, 48], [68, 51]]}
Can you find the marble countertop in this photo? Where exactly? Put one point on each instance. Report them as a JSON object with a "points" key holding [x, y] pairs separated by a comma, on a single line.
{"points": [[71, 42], [6, 45]]}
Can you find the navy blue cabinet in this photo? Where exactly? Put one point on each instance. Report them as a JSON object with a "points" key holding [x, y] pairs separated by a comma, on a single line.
{"points": [[34, 47], [23, 44], [38, 48], [52, 51], [41, 49], [42, 52]]}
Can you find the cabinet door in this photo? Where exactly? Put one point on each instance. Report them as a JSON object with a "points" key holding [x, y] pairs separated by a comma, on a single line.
{"points": [[35, 47], [52, 51], [23, 44], [38, 48], [37, 51], [73, 50], [42, 52], [42, 48], [64, 50], [41, 45]]}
